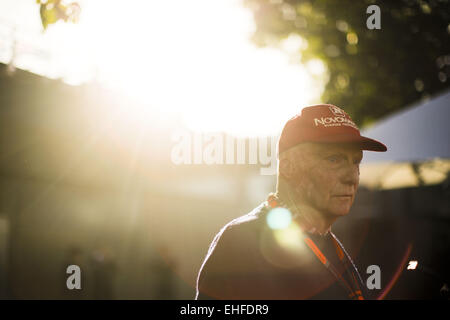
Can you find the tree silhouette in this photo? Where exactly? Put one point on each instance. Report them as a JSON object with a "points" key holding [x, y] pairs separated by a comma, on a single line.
{"points": [[53, 10], [371, 72]]}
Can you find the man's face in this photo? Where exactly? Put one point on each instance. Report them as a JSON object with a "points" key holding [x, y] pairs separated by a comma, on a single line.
{"points": [[326, 177]]}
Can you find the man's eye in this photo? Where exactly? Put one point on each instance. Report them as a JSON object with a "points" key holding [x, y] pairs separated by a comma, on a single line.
{"points": [[334, 159]]}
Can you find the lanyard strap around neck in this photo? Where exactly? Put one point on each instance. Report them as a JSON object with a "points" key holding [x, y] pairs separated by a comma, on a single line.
{"points": [[353, 292]]}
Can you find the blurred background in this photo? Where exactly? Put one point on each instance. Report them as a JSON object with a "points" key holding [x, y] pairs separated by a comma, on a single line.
{"points": [[94, 93]]}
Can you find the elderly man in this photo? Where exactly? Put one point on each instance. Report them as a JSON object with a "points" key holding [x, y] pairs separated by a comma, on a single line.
{"points": [[284, 248]]}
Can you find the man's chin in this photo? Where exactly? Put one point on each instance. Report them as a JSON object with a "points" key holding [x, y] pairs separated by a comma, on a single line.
{"points": [[340, 211], [341, 206]]}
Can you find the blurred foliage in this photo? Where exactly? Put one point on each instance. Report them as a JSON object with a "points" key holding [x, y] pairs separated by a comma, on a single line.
{"points": [[371, 72], [53, 10]]}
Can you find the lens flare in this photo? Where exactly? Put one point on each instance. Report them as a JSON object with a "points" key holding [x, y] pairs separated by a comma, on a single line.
{"points": [[290, 238], [412, 265], [279, 218]]}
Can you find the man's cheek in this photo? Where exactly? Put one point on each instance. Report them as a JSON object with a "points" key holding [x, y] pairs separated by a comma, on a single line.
{"points": [[308, 192], [299, 180], [302, 188]]}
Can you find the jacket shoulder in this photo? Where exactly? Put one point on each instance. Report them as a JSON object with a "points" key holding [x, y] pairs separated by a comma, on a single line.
{"points": [[239, 232], [231, 250]]}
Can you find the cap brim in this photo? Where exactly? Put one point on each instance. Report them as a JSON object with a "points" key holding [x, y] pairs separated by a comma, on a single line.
{"points": [[363, 142], [372, 145]]}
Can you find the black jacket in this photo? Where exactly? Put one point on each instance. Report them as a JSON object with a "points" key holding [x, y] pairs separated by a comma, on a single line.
{"points": [[248, 260]]}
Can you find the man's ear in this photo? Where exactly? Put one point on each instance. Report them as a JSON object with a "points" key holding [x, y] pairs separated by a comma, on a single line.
{"points": [[286, 168]]}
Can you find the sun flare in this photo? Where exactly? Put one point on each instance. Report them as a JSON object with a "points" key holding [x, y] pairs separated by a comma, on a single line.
{"points": [[194, 58]]}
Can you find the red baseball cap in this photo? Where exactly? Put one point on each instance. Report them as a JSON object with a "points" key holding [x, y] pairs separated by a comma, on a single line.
{"points": [[324, 123]]}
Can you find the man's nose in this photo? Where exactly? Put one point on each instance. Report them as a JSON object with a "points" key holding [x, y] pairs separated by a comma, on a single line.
{"points": [[351, 174]]}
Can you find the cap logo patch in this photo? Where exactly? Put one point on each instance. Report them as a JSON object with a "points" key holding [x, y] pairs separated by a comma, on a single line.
{"points": [[337, 111]]}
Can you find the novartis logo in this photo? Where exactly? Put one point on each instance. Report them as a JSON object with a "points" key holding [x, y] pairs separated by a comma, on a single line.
{"points": [[334, 121]]}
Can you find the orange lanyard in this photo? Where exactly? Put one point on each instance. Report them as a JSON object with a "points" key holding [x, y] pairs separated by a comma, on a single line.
{"points": [[356, 293]]}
